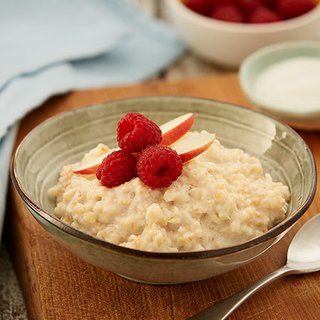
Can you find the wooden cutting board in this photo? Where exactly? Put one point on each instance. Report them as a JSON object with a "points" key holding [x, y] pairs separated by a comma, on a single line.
{"points": [[58, 285]]}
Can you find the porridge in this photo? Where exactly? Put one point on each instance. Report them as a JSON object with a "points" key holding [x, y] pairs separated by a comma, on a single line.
{"points": [[222, 198]]}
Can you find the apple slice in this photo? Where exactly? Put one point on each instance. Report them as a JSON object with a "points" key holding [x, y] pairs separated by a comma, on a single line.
{"points": [[190, 146], [174, 129], [91, 166]]}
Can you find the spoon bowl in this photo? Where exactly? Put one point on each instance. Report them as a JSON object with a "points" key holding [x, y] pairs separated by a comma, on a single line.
{"points": [[304, 250]]}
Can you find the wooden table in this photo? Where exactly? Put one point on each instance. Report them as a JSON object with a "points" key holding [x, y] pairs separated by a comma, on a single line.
{"points": [[11, 302]]}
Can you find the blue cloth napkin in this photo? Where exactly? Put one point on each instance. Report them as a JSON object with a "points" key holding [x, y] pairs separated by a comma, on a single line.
{"points": [[54, 46]]}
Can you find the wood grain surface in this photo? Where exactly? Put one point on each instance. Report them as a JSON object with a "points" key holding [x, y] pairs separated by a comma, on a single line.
{"points": [[58, 285]]}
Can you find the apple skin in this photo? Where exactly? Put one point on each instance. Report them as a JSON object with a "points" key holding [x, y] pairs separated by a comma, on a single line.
{"points": [[187, 156], [174, 129], [192, 145], [91, 168]]}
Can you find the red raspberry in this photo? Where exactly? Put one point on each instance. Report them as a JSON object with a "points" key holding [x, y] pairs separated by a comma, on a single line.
{"points": [[264, 15], [271, 4], [228, 13], [136, 132], [199, 6], [248, 6], [294, 8], [117, 168], [218, 3], [158, 166]]}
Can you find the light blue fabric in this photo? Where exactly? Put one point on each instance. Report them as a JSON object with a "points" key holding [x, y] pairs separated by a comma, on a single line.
{"points": [[79, 44], [36, 33]]}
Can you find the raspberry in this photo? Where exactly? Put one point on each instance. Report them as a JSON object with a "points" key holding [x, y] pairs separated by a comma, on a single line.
{"points": [[136, 132], [248, 6], [199, 6], [264, 15], [294, 8], [117, 168], [218, 3], [228, 13], [271, 4], [158, 166]]}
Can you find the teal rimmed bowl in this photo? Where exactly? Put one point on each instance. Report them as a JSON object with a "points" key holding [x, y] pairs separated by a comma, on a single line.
{"points": [[255, 64], [65, 138]]}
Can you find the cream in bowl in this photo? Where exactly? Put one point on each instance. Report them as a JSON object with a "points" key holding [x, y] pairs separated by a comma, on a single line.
{"points": [[284, 80], [273, 156]]}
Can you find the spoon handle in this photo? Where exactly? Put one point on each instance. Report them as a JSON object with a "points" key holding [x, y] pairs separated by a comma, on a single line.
{"points": [[223, 309]]}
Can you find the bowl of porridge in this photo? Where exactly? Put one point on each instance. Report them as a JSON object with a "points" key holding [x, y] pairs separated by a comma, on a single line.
{"points": [[244, 179]]}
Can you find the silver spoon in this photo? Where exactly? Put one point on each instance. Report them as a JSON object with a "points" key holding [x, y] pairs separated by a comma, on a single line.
{"points": [[303, 257]]}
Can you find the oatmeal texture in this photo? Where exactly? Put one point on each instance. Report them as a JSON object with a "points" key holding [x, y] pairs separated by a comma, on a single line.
{"points": [[222, 198]]}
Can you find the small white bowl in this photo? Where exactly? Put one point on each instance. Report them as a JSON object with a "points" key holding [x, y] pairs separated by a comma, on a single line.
{"points": [[253, 66], [228, 43]]}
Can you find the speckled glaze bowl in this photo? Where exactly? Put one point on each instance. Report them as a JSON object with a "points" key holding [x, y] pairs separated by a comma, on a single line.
{"points": [[65, 138]]}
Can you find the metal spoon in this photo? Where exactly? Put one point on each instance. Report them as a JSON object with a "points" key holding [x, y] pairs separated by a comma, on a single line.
{"points": [[303, 257]]}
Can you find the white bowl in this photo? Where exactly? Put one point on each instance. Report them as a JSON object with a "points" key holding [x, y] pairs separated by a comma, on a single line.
{"points": [[228, 43]]}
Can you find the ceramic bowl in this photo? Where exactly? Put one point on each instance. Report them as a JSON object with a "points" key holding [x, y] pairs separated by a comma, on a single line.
{"points": [[228, 44], [65, 138], [258, 62]]}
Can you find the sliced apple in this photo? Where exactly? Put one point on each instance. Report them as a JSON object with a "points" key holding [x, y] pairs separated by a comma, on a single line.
{"points": [[174, 129], [91, 166], [190, 146]]}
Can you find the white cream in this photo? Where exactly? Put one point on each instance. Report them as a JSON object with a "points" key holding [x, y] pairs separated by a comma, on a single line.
{"points": [[292, 85]]}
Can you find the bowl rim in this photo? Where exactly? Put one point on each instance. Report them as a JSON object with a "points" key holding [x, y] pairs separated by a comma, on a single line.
{"points": [[188, 255], [246, 28], [261, 54]]}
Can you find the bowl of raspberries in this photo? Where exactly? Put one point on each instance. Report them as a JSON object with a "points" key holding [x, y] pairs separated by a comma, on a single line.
{"points": [[227, 31]]}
